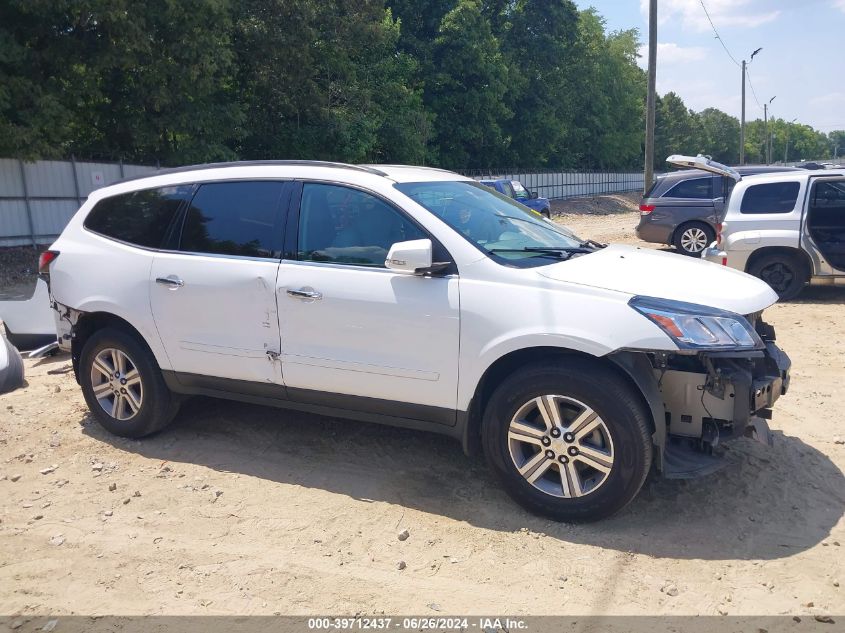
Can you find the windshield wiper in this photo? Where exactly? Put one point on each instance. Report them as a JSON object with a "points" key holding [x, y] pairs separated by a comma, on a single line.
{"points": [[563, 252], [592, 243]]}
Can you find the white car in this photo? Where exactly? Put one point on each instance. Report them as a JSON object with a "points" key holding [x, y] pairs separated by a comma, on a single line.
{"points": [[786, 228], [419, 298]]}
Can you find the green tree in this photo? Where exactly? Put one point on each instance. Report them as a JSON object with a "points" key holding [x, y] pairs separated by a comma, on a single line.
{"points": [[106, 78], [676, 130], [719, 135], [539, 43], [468, 89]]}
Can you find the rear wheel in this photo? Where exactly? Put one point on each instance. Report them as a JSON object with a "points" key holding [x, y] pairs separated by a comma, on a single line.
{"points": [[546, 213], [786, 274], [569, 440], [692, 238], [123, 385]]}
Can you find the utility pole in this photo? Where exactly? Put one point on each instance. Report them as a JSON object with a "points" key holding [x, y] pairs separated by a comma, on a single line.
{"points": [[742, 121], [648, 176], [786, 149], [766, 132], [768, 144]]}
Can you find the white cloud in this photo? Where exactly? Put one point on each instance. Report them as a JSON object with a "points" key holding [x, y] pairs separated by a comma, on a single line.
{"points": [[724, 13], [672, 53], [839, 4], [832, 98]]}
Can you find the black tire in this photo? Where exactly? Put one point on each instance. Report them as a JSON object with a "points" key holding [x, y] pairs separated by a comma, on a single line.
{"points": [[157, 404], [615, 402], [546, 213], [786, 274], [690, 233]]}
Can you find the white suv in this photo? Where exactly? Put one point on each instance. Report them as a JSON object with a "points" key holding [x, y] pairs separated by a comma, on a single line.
{"points": [[786, 228], [419, 298]]}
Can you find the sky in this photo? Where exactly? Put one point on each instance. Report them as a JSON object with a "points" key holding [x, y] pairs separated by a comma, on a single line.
{"points": [[802, 64]]}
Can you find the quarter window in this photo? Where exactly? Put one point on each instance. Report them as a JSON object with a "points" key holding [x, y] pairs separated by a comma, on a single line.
{"points": [[776, 197], [695, 188], [234, 218], [141, 217], [347, 226]]}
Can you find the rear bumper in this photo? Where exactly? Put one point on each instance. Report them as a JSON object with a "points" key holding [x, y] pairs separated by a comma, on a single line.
{"points": [[649, 231]]}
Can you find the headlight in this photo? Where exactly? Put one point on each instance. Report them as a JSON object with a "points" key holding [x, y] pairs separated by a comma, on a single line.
{"points": [[698, 327]]}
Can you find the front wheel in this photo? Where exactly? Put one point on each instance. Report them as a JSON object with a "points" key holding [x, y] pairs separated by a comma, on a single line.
{"points": [[123, 385], [569, 439]]}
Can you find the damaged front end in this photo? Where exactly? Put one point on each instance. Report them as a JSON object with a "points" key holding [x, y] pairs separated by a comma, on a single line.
{"points": [[720, 384], [713, 396]]}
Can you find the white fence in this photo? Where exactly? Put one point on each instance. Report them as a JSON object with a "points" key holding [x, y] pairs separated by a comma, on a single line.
{"points": [[562, 185], [38, 199]]}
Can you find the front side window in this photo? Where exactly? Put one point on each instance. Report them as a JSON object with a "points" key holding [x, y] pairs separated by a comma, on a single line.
{"points": [[347, 226], [693, 189], [494, 223], [775, 197], [234, 218], [141, 217]]}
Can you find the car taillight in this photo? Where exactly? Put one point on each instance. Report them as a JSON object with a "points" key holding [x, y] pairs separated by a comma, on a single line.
{"points": [[645, 209], [44, 261], [718, 234]]}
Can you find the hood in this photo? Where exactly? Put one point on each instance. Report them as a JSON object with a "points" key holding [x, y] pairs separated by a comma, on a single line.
{"points": [[642, 271]]}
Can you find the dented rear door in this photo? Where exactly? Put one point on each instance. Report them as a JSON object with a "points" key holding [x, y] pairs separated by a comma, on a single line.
{"points": [[213, 295]]}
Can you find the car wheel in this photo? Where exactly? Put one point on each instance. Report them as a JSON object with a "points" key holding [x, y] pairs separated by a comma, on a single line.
{"points": [[786, 274], [546, 213], [123, 385], [569, 440], [691, 239]]}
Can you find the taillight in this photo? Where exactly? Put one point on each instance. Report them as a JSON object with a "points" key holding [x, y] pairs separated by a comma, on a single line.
{"points": [[718, 234], [645, 209], [44, 261]]}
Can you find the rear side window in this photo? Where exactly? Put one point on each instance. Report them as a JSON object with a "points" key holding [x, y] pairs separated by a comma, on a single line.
{"points": [[695, 189], [775, 197], [141, 217], [234, 218]]}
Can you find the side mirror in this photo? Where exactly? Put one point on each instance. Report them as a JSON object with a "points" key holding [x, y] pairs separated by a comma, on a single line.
{"points": [[412, 257], [533, 195]]}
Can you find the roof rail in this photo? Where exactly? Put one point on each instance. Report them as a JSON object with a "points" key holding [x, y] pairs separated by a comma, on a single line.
{"points": [[376, 166], [254, 163]]}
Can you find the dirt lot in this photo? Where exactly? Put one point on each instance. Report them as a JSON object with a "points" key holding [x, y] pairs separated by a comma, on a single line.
{"points": [[240, 509]]}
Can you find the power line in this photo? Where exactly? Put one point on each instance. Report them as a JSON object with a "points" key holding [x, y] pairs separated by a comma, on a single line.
{"points": [[748, 76], [718, 37]]}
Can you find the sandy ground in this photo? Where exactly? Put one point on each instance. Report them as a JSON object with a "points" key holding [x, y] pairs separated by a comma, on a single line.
{"points": [[240, 509]]}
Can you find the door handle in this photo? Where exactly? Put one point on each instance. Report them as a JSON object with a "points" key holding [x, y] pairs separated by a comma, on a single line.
{"points": [[171, 281], [302, 293]]}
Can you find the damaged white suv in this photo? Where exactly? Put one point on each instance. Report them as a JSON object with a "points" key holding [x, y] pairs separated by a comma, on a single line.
{"points": [[419, 298]]}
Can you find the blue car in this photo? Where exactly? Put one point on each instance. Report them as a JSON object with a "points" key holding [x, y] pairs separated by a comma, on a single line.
{"points": [[514, 189]]}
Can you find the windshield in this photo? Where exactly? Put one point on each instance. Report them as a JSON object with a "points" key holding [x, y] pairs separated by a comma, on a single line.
{"points": [[494, 223]]}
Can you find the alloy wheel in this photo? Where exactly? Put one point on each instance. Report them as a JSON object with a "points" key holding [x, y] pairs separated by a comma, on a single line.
{"points": [[560, 446], [116, 384], [694, 240]]}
